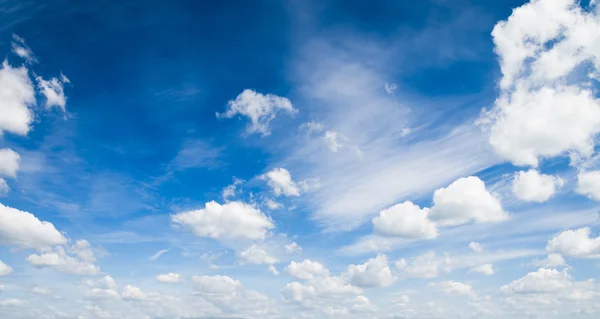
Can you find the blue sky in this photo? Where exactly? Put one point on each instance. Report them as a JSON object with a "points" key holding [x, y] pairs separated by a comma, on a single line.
{"points": [[299, 159]]}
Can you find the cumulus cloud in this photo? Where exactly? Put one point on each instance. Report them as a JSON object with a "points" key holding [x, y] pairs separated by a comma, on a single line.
{"points": [[588, 184], [424, 266], [466, 200], [217, 285], [260, 109], [545, 108], [258, 256], [575, 243], [78, 262], [307, 269], [232, 220], [24, 230], [292, 248], [4, 188], [551, 261], [280, 180], [9, 162], [531, 186], [405, 220], [103, 288], [170, 278], [133, 293], [476, 247], [16, 98], [53, 91], [318, 287], [486, 269], [230, 190], [375, 272], [5, 269], [542, 281]]}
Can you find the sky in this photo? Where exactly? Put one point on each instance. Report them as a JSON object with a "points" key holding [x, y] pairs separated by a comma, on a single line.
{"points": [[300, 159]]}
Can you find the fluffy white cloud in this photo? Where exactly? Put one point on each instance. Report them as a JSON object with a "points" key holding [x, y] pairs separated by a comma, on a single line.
{"points": [[476, 247], [318, 287], [9, 162], [455, 288], [466, 200], [307, 269], [133, 293], [273, 270], [4, 269], [16, 96], [542, 281], [233, 220], [575, 243], [588, 184], [486, 269], [60, 260], [292, 248], [545, 108], [23, 229], [333, 140], [553, 260], [4, 188], [405, 220], [280, 180], [104, 288], [41, 291], [260, 109], [362, 304], [217, 285], [531, 186], [231, 189], [271, 204], [424, 266], [375, 272], [258, 256], [296, 291], [53, 91], [170, 278]]}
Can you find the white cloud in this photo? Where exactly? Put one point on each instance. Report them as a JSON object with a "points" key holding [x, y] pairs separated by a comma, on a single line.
{"points": [[4, 188], [296, 291], [53, 91], [293, 248], [575, 243], [16, 97], [23, 229], [271, 204], [273, 270], [424, 266], [455, 288], [312, 127], [280, 180], [260, 109], [318, 287], [405, 220], [588, 184], [170, 278], [9, 162], [4, 269], [545, 108], [307, 269], [375, 272], [476, 247], [60, 260], [362, 304], [466, 200], [22, 50], [553, 260], [486, 269], [333, 140], [13, 303], [159, 253], [133, 293], [217, 285], [41, 291], [531, 186], [104, 288], [258, 256], [233, 220], [230, 190], [542, 281], [390, 88]]}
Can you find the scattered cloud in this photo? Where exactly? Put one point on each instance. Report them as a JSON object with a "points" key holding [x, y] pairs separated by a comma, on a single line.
{"points": [[531, 186]]}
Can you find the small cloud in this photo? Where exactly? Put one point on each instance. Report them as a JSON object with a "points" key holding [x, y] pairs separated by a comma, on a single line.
{"points": [[390, 87]]}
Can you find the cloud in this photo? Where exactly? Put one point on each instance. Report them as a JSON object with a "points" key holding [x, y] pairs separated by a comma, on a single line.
{"points": [[486, 269], [230, 190], [280, 180], [293, 248], [5, 269], [307, 269], [217, 285], [159, 253], [375, 272], [170, 278], [546, 108], [196, 154], [531, 186], [424, 266], [257, 256], [466, 200], [333, 140], [553, 260], [9, 162], [588, 184], [575, 243], [541, 281], [133, 293], [22, 50], [390, 88], [41, 291], [103, 288], [260, 109], [455, 288], [22, 229], [318, 287], [16, 98], [232, 220], [78, 262], [4, 188], [405, 220], [312, 127], [53, 91], [476, 247]]}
